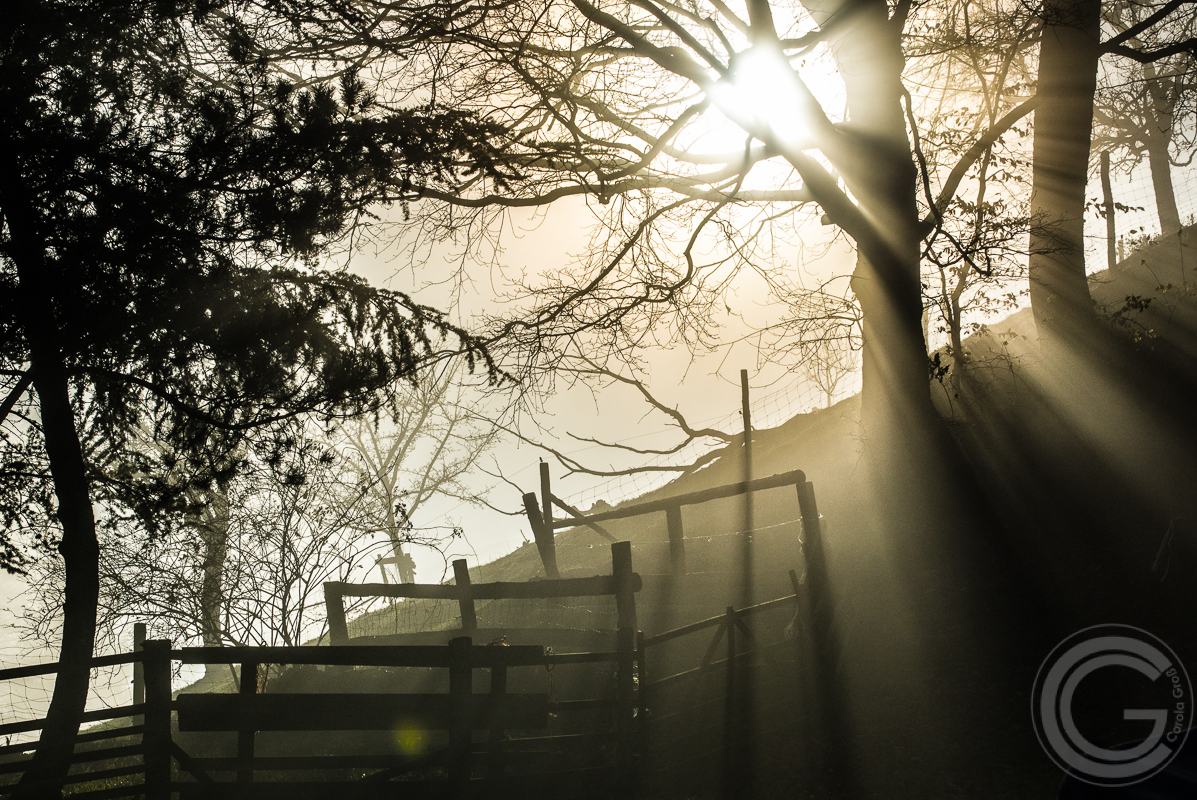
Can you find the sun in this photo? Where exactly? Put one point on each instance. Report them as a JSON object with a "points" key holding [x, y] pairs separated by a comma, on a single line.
{"points": [[764, 93], [761, 89]]}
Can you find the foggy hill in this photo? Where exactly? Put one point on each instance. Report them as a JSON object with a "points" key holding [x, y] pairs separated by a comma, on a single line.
{"points": [[826, 444]]}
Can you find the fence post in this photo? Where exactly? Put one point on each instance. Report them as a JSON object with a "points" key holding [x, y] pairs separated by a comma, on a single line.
{"points": [[460, 691], [498, 690], [641, 688], [461, 574], [677, 540], [245, 736], [625, 602], [732, 770], [625, 595], [545, 543], [819, 606], [156, 738], [138, 666], [334, 604], [546, 496]]}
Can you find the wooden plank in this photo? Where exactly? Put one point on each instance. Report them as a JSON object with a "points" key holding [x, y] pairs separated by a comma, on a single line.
{"points": [[560, 639], [350, 655], [90, 736], [51, 667], [582, 658], [706, 495], [711, 622], [334, 606], [596, 586], [134, 790], [469, 618], [677, 540], [545, 543], [99, 715], [364, 761], [350, 712], [591, 782], [104, 774], [578, 515]]}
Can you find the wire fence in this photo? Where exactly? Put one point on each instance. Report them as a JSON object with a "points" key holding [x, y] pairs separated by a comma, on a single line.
{"points": [[767, 411], [1140, 221], [26, 699]]}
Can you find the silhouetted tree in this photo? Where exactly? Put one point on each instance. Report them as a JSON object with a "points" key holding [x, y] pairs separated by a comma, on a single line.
{"points": [[1141, 107], [165, 201], [1067, 79]]}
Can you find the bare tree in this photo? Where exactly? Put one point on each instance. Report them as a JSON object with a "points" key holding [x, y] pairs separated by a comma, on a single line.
{"points": [[1141, 107], [426, 449]]}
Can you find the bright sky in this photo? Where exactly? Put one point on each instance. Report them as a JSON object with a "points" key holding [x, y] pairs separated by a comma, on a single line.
{"points": [[704, 387]]}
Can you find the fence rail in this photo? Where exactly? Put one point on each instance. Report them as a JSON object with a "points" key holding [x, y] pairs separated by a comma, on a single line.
{"points": [[460, 711], [544, 525]]}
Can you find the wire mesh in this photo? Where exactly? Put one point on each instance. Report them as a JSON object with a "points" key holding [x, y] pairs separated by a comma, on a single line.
{"points": [[767, 411], [1138, 222], [27, 699]]}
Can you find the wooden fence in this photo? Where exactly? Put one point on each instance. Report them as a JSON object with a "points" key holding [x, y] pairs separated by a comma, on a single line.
{"points": [[622, 584], [544, 525], [460, 712], [13, 759], [246, 713]]}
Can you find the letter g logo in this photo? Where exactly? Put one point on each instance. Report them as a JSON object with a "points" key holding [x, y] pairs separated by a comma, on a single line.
{"points": [[1100, 648]]}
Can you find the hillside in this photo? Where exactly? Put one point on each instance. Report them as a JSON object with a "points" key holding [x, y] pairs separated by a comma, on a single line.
{"points": [[945, 604], [1061, 492]]}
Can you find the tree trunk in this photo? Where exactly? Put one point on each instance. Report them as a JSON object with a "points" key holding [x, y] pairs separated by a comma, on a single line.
{"points": [[882, 175], [79, 547], [212, 525], [1068, 55], [1161, 93], [81, 557], [1161, 181]]}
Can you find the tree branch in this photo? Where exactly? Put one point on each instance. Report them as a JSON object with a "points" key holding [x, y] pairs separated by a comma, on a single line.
{"points": [[13, 396], [948, 191], [1138, 28]]}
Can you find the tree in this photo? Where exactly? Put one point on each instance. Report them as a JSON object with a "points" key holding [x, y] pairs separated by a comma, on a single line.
{"points": [[425, 450], [165, 201], [1068, 66], [1139, 106], [293, 516], [660, 113], [613, 101], [975, 64]]}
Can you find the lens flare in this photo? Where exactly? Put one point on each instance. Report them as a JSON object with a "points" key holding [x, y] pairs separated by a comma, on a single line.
{"points": [[410, 738]]}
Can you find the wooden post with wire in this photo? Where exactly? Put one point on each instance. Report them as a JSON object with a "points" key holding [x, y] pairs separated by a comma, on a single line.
{"points": [[1108, 201], [677, 541], [469, 618], [334, 602], [156, 658], [498, 688], [138, 666], [546, 495], [545, 544], [460, 691], [245, 736], [746, 555], [625, 603]]}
